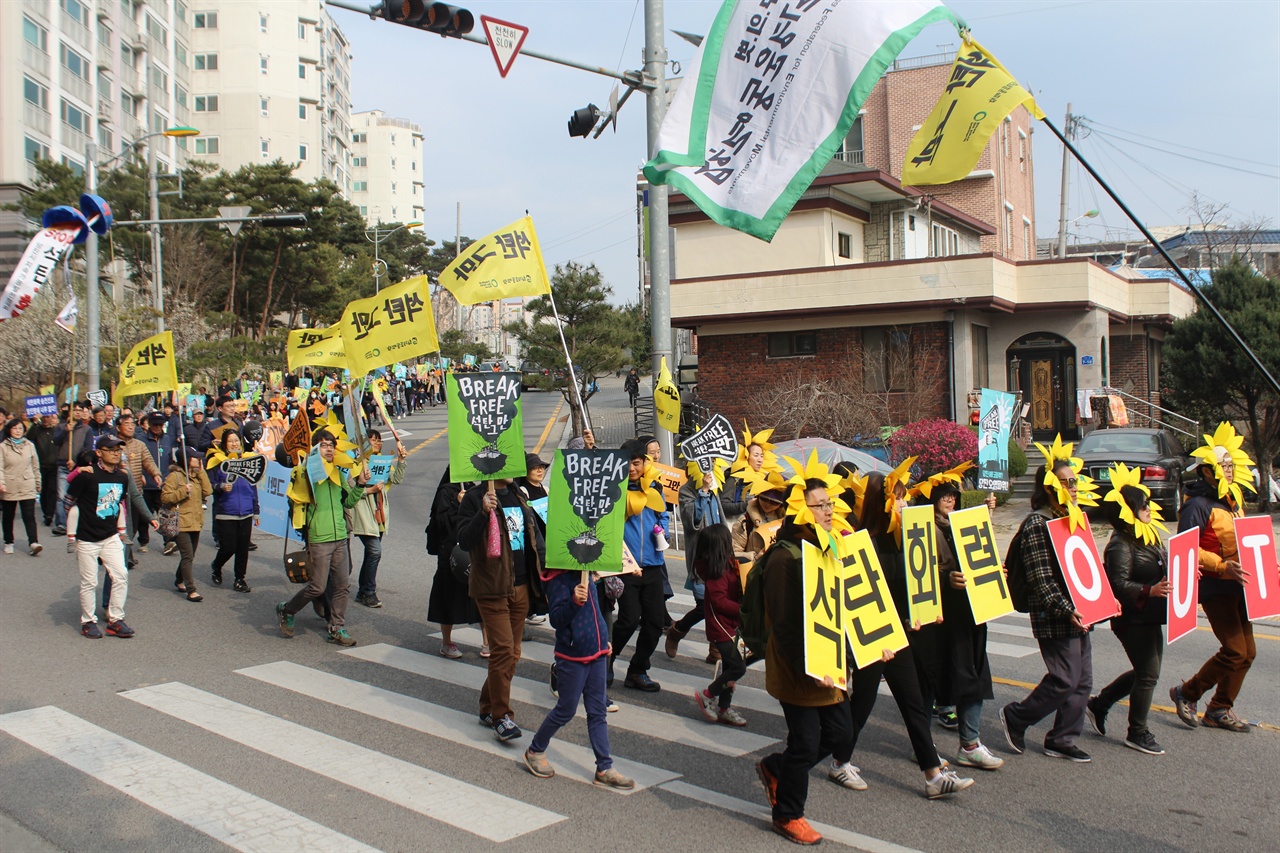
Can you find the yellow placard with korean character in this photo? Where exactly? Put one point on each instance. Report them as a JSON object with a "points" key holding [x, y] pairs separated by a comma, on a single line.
{"points": [[980, 564], [506, 263], [394, 325], [870, 620], [823, 619], [147, 369], [919, 550], [316, 348]]}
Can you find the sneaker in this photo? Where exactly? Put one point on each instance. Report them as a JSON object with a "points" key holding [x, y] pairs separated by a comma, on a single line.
{"points": [[119, 629], [341, 637], [945, 784], [170, 548], [613, 779], [450, 651], [1144, 742], [641, 681], [536, 619], [484, 650], [1223, 718], [506, 729], [798, 831], [8, 549], [285, 619], [554, 680], [486, 720], [708, 705], [846, 775], [142, 548], [610, 706], [58, 530], [36, 548], [1071, 753], [91, 630], [948, 719], [216, 577], [370, 600], [538, 764], [770, 783], [71, 545], [1185, 707], [1097, 716], [978, 756], [1017, 738], [241, 586], [730, 717]]}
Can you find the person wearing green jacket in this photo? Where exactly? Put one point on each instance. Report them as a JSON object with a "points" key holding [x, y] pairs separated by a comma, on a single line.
{"points": [[327, 550], [370, 521]]}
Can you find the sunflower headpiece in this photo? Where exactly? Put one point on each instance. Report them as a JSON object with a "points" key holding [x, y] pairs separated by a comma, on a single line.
{"points": [[1225, 444], [800, 511], [761, 438], [1055, 456], [343, 456], [855, 486], [719, 468], [952, 475], [1122, 475], [898, 476]]}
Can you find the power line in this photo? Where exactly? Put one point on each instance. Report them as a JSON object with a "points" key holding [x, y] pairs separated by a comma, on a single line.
{"points": [[582, 232], [1187, 156], [1177, 145]]}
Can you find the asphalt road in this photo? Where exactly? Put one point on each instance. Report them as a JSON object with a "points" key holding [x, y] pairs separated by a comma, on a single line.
{"points": [[209, 730]]}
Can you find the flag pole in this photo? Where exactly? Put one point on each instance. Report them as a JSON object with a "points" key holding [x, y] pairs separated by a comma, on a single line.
{"points": [[573, 376], [1195, 290]]}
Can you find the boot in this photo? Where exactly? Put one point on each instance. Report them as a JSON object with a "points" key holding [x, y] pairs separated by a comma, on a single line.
{"points": [[674, 636], [713, 654]]}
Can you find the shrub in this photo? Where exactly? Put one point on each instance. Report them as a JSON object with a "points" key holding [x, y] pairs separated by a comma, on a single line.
{"points": [[974, 497], [940, 444], [1017, 460]]}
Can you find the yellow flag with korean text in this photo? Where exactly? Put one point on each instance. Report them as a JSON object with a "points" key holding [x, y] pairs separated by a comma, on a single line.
{"points": [[978, 95], [148, 368], [980, 563], [316, 348], [666, 399], [392, 326], [507, 262]]}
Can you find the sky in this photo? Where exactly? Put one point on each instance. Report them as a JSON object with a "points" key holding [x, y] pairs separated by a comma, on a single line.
{"points": [[1200, 80]]}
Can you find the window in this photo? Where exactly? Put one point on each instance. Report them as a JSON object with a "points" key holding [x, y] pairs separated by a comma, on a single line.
{"points": [[359, 137], [946, 241], [35, 150], [35, 35], [179, 98], [76, 11], [850, 150], [981, 374], [74, 117], [262, 106], [302, 111], [206, 145], [262, 64], [1022, 150], [844, 245], [206, 103], [393, 187], [360, 186], [77, 169], [302, 30], [126, 102], [35, 93], [364, 211], [359, 161], [302, 71], [1008, 228], [206, 62], [156, 30], [792, 344], [73, 62], [179, 54], [886, 358], [266, 147], [413, 165], [104, 137], [205, 20], [302, 152], [1027, 251], [1155, 355], [262, 23], [159, 79]]}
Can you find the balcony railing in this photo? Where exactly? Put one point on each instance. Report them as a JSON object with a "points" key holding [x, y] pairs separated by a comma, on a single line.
{"points": [[35, 58], [77, 86], [853, 158], [128, 79], [74, 139], [128, 30], [36, 118], [39, 8], [78, 31], [106, 109]]}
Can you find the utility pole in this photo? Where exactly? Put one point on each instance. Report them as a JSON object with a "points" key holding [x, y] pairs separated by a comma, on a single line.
{"points": [[157, 252], [91, 309], [655, 71], [1068, 128]]}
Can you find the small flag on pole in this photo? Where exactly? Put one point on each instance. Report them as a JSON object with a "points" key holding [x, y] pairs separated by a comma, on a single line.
{"points": [[507, 262]]}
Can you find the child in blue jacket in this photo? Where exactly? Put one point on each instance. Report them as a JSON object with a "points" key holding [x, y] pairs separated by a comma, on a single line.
{"points": [[582, 656]]}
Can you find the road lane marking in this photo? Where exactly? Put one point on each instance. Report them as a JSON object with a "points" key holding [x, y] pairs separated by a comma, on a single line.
{"points": [[461, 805], [426, 442], [571, 761], [645, 721], [223, 812], [546, 430]]}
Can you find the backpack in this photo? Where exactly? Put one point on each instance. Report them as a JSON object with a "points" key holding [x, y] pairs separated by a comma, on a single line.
{"points": [[751, 618], [1015, 573]]}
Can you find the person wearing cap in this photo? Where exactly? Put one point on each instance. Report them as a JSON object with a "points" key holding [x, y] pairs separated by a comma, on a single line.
{"points": [[370, 521], [159, 447], [533, 486]]}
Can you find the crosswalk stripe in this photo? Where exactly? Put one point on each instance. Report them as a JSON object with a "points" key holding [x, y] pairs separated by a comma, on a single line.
{"points": [[571, 760], [669, 727], [456, 803], [1010, 630], [1010, 650], [223, 812]]}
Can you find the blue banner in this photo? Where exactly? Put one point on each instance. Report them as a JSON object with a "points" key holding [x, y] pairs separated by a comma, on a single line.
{"points": [[273, 505], [45, 404], [994, 424], [73, 393], [380, 469]]}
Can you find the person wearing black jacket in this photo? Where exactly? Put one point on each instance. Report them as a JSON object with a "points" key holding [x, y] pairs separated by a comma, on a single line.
{"points": [[450, 602], [41, 435], [1139, 577]]}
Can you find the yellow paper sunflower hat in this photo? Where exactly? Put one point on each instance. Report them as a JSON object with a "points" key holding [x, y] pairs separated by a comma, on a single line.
{"points": [[800, 511], [761, 438], [855, 486], [1058, 454], [343, 456], [898, 476], [765, 481], [1225, 444], [952, 475], [719, 469], [1122, 475]]}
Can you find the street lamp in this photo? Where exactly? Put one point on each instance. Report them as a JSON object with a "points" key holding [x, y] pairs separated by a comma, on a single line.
{"points": [[380, 234], [91, 244]]}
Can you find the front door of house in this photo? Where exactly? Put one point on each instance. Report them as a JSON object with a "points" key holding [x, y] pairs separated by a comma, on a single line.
{"points": [[1042, 367]]}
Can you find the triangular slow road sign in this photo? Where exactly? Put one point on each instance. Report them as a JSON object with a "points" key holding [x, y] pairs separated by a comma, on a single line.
{"points": [[505, 39]]}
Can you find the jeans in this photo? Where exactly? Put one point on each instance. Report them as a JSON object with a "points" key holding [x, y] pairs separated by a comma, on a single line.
{"points": [[233, 541], [812, 734], [586, 680], [1063, 692], [326, 558], [111, 552], [188, 542], [1144, 644], [368, 583], [904, 684], [1226, 669], [969, 714], [50, 498], [60, 511], [28, 508], [640, 605], [503, 621], [732, 668]]}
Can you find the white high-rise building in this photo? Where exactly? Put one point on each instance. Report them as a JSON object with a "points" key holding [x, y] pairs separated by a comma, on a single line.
{"points": [[386, 168]]}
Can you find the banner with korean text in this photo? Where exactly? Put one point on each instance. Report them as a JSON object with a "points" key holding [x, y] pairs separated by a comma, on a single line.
{"points": [[919, 550], [148, 368], [1184, 586], [395, 324], [34, 269], [316, 348], [486, 436], [994, 425], [979, 559], [1083, 571]]}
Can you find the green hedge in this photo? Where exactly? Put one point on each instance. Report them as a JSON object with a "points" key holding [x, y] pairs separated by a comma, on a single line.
{"points": [[1017, 460], [974, 497]]}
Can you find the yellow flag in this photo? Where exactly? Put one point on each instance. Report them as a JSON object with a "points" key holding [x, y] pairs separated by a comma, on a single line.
{"points": [[823, 579], [666, 399], [871, 621], [978, 95], [508, 262], [316, 348], [392, 326], [920, 551], [46, 389], [149, 367], [980, 564], [276, 378]]}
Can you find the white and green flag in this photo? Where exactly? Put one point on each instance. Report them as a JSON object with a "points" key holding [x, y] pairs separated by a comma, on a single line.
{"points": [[774, 89]]}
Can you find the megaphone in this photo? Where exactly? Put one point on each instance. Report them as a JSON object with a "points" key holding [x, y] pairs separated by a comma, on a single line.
{"points": [[660, 538]]}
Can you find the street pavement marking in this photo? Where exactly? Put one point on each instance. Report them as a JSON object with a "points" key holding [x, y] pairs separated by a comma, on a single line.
{"points": [[223, 812], [1010, 650], [427, 441], [546, 430], [571, 760], [459, 804], [761, 812], [659, 724], [1010, 630]]}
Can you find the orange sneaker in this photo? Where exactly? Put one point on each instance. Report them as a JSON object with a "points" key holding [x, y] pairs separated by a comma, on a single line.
{"points": [[770, 783], [797, 831]]}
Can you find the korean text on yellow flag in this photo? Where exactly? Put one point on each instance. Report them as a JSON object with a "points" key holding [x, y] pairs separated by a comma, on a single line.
{"points": [[870, 620], [507, 262], [980, 564], [316, 348], [920, 552], [823, 619], [978, 95], [666, 400], [396, 324], [149, 367]]}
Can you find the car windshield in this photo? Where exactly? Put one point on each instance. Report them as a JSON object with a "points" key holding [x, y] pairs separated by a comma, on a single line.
{"points": [[1107, 441]]}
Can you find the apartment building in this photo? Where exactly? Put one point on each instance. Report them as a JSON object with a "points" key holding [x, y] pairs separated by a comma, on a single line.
{"points": [[386, 168]]}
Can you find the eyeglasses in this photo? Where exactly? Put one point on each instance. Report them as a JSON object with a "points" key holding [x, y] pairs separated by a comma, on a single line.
{"points": [[825, 506], [1069, 483]]}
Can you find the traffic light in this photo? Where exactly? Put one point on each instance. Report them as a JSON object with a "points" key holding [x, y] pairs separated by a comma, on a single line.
{"points": [[581, 122], [442, 18]]}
